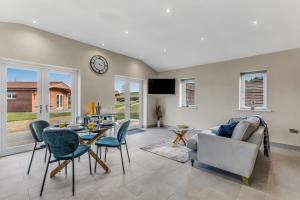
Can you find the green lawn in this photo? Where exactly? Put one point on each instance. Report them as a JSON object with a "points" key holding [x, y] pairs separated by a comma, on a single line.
{"points": [[134, 109], [20, 116]]}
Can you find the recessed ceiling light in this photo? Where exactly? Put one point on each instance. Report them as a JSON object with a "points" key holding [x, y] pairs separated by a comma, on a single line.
{"points": [[202, 38], [126, 32], [34, 21], [255, 22], [102, 44], [168, 10], [165, 50]]}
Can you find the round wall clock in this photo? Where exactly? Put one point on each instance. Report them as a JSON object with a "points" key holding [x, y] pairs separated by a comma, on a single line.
{"points": [[99, 64]]}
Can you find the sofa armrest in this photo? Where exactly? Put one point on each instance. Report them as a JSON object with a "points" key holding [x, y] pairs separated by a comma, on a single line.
{"points": [[228, 154]]}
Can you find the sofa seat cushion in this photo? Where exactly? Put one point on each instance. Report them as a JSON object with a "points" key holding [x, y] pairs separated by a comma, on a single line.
{"points": [[245, 128]]}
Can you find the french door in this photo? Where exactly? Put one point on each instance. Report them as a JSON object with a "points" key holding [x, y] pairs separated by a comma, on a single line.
{"points": [[128, 101], [30, 92]]}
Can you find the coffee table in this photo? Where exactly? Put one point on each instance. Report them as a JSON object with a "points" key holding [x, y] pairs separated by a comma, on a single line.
{"points": [[180, 133]]}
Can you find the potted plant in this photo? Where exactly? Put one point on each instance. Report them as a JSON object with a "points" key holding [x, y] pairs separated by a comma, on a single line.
{"points": [[158, 114]]}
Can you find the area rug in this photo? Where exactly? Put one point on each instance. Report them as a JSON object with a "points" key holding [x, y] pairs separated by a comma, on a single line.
{"points": [[135, 131], [165, 149]]}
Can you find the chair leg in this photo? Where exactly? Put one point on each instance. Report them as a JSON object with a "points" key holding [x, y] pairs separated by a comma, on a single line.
{"points": [[100, 152], [31, 158], [120, 148], [45, 175], [127, 151], [73, 177], [105, 154], [45, 155], [90, 163], [66, 170], [96, 160]]}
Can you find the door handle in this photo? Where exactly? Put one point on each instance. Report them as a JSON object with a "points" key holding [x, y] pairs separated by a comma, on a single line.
{"points": [[47, 109], [41, 109]]}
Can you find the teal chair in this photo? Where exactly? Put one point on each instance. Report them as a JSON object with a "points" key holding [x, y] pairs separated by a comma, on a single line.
{"points": [[115, 142], [37, 127], [64, 145]]}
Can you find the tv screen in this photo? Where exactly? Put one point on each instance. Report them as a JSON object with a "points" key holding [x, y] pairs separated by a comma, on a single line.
{"points": [[161, 86]]}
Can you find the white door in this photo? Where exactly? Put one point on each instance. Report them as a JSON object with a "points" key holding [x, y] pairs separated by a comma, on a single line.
{"points": [[128, 101], [25, 90]]}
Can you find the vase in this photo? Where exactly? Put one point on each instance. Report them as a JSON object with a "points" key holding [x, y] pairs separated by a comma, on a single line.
{"points": [[158, 123]]}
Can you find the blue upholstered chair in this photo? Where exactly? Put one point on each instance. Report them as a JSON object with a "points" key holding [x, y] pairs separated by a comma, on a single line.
{"points": [[37, 128], [63, 144], [114, 142]]}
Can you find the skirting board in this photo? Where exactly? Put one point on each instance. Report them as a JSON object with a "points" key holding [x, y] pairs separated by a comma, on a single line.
{"points": [[285, 146]]}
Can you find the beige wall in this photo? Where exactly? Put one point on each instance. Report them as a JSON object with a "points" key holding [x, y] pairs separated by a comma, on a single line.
{"points": [[28, 44], [217, 94]]}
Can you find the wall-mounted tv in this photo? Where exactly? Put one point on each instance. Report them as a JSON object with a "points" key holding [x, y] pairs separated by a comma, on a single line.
{"points": [[161, 86]]}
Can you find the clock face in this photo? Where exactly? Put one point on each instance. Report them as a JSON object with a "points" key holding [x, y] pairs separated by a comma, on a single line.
{"points": [[99, 64]]}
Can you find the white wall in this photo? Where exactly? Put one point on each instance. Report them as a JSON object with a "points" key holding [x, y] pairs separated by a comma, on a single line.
{"points": [[217, 94], [29, 44]]}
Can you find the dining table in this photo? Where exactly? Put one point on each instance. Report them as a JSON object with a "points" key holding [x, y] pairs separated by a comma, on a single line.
{"points": [[97, 132]]}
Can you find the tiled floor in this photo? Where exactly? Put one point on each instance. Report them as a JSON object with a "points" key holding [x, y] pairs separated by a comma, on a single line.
{"points": [[152, 177]]}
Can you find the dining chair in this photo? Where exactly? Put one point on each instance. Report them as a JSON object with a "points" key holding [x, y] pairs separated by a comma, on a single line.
{"points": [[36, 129], [115, 142], [64, 145]]}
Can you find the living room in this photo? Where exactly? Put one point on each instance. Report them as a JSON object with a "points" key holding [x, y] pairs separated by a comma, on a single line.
{"points": [[187, 103]]}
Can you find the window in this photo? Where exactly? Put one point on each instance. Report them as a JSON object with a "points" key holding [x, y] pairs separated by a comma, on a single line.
{"points": [[253, 90], [59, 101], [187, 93], [11, 95]]}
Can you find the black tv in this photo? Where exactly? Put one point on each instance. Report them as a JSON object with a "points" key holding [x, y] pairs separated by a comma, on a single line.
{"points": [[161, 86]]}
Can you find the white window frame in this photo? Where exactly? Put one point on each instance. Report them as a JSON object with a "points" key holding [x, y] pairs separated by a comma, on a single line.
{"points": [[182, 97], [60, 105], [241, 85], [10, 95]]}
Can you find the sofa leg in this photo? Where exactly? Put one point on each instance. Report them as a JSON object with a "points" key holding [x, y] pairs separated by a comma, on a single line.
{"points": [[245, 181], [192, 162]]}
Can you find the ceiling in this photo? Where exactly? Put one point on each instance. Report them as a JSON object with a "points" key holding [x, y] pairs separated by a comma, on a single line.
{"points": [[194, 32]]}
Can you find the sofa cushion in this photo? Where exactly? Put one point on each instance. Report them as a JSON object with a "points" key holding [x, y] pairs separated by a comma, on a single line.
{"points": [[226, 130], [245, 128], [192, 142]]}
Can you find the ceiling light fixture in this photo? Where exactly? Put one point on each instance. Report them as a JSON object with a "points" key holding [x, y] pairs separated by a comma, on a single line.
{"points": [[255, 22], [34, 21], [168, 10], [126, 32], [102, 44], [165, 50], [202, 38]]}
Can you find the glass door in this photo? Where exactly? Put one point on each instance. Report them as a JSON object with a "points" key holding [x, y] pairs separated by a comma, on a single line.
{"points": [[135, 103], [128, 100], [59, 106], [23, 104], [32, 92]]}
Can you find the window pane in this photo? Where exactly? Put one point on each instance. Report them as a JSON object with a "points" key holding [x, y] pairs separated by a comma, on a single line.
{"points": [[253, 90], [187, 92]]}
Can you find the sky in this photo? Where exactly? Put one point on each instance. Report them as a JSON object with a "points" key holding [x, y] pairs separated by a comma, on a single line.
{"points": [[134, 86], [21, 75]]}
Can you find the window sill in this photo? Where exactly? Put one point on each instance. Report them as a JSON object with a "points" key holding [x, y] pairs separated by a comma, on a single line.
{"points": [[189, 107], [256, 110]]}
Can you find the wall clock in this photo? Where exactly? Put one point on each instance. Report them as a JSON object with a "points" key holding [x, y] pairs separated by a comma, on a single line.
{"points": [[99, 64]]}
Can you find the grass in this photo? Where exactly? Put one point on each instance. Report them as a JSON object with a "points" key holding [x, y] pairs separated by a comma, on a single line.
{"points": [[20, 116], [134, 109]]}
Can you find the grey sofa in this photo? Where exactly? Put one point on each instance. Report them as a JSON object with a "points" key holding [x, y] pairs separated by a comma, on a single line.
{"points": [[236, 155]]}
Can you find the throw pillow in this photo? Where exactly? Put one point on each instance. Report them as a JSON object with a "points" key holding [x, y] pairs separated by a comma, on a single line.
{"points": [[226, 130], [245, 128]]}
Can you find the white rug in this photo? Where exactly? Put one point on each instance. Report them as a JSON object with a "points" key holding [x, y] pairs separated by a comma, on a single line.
{"points": [[165, 149]]}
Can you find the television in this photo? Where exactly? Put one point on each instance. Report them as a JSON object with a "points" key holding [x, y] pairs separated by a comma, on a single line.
{"points": [[161, 86]]}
